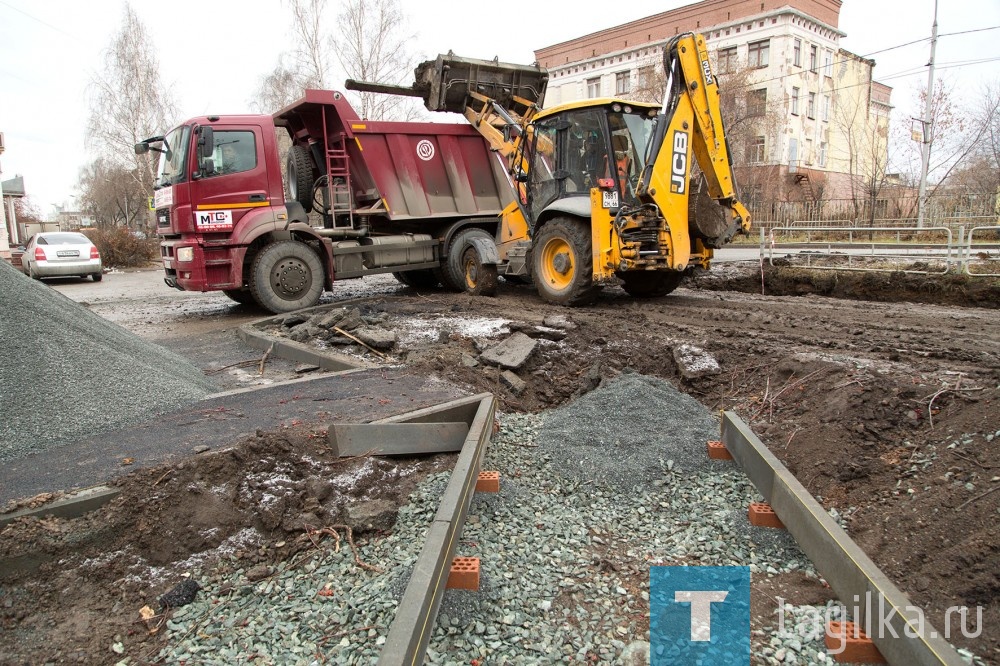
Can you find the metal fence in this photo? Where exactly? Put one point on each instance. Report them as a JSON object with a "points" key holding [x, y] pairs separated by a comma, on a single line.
{"points": [[924, 250]]}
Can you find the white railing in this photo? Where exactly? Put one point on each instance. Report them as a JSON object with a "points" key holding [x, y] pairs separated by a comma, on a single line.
{"points": [[918, 250]]}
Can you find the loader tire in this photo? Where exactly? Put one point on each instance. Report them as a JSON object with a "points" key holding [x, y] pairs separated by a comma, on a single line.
{"points": [[420, 279], [301, 176], [464, 271], [650, 284], [562, 266], [286, 276]]}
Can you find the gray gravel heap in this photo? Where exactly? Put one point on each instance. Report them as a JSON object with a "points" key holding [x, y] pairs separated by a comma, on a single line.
{"points": [[627, 431], [66, 373]]}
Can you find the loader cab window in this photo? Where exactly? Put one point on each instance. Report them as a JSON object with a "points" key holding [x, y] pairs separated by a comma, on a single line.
{"points": [[235, 151], [570, 152], [631, 132]]}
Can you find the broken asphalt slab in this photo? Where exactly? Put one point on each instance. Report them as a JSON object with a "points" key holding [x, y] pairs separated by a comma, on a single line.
{"points": [[512, 353]]}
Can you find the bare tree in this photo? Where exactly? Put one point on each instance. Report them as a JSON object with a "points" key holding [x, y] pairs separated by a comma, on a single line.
{"points": [[305, 65], [372, 47], [112, 196], [129, 102]]}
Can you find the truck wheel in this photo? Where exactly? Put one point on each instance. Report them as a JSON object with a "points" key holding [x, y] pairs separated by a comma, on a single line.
{"points": [[241, 296], [464, 270], [562, 266], [424, 278], [301, 176], [650, 284], [286, 276]]}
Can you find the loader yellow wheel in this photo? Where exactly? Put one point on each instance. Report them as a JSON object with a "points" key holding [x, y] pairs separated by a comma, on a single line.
{"points": [[562, 264]]}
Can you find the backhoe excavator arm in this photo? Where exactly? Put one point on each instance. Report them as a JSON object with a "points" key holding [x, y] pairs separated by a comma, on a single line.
{"points": [[691, 123]]}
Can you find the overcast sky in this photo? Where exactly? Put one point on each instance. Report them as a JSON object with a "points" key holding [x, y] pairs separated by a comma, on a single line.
{"points": [[212, 55]]}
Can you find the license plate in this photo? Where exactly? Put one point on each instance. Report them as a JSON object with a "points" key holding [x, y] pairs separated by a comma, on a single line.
{"points": [[68, 253], [610, 199]]}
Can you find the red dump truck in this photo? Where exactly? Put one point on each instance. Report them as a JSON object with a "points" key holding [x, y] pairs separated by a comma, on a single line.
{"points": [[392, 196]]}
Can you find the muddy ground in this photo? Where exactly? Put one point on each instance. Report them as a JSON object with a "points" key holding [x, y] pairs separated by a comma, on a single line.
{"points": [[885, 407]]}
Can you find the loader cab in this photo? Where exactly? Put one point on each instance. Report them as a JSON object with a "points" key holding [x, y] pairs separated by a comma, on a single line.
{"points": [[577, 147]]}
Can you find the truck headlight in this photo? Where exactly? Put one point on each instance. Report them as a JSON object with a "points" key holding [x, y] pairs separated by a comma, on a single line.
{"points": [[185, 254]]}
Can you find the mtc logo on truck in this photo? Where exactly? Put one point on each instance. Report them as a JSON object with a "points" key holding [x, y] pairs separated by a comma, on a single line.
{"points": [[679, 162], [213, 220]]}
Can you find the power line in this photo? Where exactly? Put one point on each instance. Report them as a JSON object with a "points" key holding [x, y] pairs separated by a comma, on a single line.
{"points": [[35, 18]]}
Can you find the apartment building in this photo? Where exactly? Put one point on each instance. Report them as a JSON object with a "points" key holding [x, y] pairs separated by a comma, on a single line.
{"points": [[815, 121]]}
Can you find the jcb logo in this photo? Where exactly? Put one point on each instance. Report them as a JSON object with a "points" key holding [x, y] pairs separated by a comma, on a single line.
{"points": [[678, 165]]}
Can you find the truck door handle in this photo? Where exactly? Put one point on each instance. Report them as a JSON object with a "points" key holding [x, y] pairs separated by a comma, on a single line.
{"points": [[257, 197]]}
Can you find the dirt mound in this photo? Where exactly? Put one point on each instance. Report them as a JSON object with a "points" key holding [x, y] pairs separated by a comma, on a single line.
{"points": [[249, 505], [785, 279]]}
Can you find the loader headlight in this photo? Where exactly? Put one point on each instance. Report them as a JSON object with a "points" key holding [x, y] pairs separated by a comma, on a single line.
{"points": [[185, 254]]}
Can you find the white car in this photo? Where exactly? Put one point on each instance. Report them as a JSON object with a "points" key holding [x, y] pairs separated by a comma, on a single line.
{"points": [[60, 254]]}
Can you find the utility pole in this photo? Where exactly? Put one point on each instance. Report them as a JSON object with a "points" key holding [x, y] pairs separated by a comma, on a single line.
{"points": [[928, 133]]}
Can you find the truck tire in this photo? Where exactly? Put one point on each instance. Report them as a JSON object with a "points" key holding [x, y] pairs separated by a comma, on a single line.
{"points": [[650, 284], [464, 270], [301, 176], [286, 276], [562, 266], [241, 296], [424, 278]]}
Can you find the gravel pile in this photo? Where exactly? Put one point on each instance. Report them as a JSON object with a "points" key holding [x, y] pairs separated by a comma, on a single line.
{"points": [[628, 431], [66, 373]]}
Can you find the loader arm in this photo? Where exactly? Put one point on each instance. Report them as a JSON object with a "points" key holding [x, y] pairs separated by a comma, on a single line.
{"points": [[691, 123]]}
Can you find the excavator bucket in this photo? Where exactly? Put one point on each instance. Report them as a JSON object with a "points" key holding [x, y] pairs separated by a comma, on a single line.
{"points": [[449, 83]]}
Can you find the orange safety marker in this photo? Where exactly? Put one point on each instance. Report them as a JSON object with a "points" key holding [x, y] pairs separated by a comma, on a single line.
{"points": [[762, 515], [488, 482], [718, 451], [464, 574], [849, 645]]}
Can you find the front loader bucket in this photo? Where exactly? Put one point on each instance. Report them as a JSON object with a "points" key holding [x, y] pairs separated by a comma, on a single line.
{"points": [[448, 81], [447, 84]]}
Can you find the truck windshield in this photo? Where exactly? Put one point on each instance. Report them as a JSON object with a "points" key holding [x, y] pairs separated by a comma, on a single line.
{"points": [[173, 157]]}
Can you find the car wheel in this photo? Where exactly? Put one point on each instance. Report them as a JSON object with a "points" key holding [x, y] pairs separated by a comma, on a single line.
{"points": [[97, 277], [287, 276], [562, 263]]}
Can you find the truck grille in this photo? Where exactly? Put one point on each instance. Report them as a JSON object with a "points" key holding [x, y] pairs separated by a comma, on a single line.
{"points": [[163, 218]]}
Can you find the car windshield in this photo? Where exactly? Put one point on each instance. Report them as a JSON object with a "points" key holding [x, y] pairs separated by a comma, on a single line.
{"points": [[171, 169], [62, 239]]}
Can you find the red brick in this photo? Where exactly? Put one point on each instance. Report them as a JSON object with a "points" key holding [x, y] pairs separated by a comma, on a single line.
{"points": [[464, 574], [852, 645], [718, 451], [488, 482], [762, 515]]}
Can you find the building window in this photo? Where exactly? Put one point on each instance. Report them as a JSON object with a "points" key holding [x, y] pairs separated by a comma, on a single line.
{"points": [[797, 53], [811, 107], [594, 87], [757, 102], [755, 150], [828, 63], [795, 101], [727, 60], [647, 77], [822, 154], [826, 108], [622, 83], [809, 151], [758, 53], [812, 57]]}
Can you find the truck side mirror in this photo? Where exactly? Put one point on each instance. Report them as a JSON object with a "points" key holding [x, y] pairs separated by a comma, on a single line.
{"points": [[206, 142], [141, 148]]}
